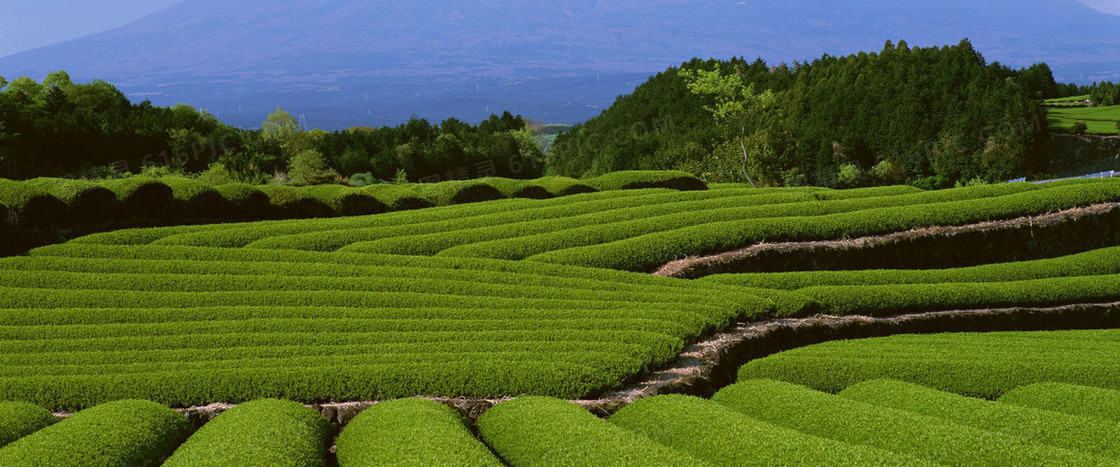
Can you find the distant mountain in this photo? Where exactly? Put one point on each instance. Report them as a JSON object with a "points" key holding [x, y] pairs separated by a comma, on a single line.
{"points": [[351, 62]]}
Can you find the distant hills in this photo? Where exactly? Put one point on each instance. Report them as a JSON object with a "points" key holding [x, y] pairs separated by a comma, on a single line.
{"points": [[341, 63]]}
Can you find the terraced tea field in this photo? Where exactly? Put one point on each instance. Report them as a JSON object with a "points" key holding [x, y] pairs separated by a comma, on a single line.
{"points": [[552, 299]]}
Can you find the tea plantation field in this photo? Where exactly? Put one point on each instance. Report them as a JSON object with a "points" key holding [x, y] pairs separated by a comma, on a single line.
{"points": [[551, 300]]}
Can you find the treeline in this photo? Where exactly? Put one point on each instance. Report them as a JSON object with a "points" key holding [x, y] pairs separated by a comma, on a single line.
{"points": [[1104, 93], [931, 116], [60, 128]]}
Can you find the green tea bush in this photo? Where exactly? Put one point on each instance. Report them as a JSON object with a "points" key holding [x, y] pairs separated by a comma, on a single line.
{"points": [[261, 432], [347, 201], [1104, 261], [564, 186], [196, 200], [124, 432], [717, 434], [629, 180], [948, 207], [19, 419], [530, 431], [294, 203], [1080, 401], [399, 197], [142, 196], [86, 201], [411, 432], [972, 364], [245, 201], [28, 206], [828, 416], [1040, 426]]}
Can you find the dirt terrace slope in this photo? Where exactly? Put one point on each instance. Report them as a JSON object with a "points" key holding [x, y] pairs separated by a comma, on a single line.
{"points": [[1024, 238]]}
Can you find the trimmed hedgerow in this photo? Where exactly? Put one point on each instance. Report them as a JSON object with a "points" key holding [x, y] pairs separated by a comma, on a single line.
{"points": [[513, 188], [563, 186], [400, 197], [717, 434], [825, 415], [347, 201], [19, 419], [414, 432], [880, 300], [629, 180], [142, 197], [1040, 426], [1080, 401], [521, 234], [530, 431], [459, 192], [508, 217], [261, 432], [294, 203], [121, 433], [196, 200], [29, 206], [1104, 261], [600, 228], [245, 201], [86, 201], [971, 205], [973, 364]]}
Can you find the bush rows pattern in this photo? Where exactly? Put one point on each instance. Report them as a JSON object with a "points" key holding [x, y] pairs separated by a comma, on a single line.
{"points": [[45, 201], [841, 419], [717, 434], [974, 364], [1040, 426]]}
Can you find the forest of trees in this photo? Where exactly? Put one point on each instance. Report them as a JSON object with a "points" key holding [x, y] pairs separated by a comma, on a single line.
{"points": [[932, 116], [60, 128], [1105, 93]]}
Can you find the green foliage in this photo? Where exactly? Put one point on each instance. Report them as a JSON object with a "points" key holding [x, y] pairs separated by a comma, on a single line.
{"points": [[196, 200], [347, 201], [244, 201], [363, 179], [115, 433], [19, 419], [1105, 93], [1079, 128], [263, 432], [717, 434], [411, 432], [530, 431], [845, 218], [845, 420], [1105, 261], [316, 326], [309, 167], [931, 111], [142, 196], [972, 364], [29, 206], [1040, 426], [216, 175], [1079, 401]]}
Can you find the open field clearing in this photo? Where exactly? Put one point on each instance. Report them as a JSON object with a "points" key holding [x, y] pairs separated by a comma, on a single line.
{"points": [[1099, 120]]}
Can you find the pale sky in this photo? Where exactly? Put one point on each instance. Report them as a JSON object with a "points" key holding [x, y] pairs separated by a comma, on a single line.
{"points": [[29, 24]]}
